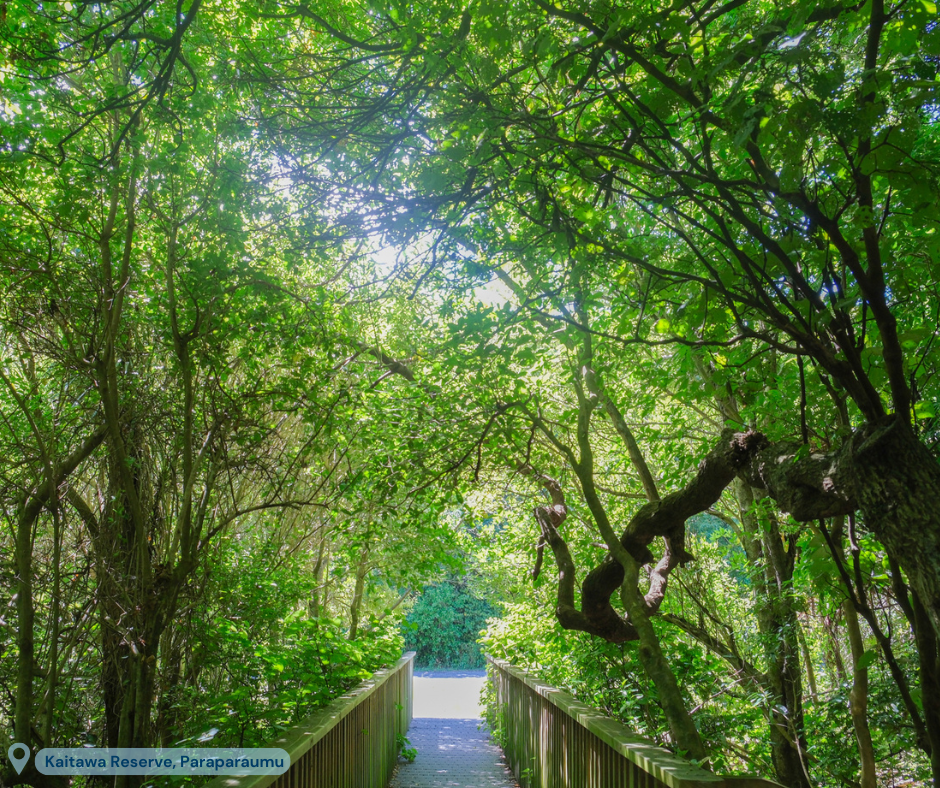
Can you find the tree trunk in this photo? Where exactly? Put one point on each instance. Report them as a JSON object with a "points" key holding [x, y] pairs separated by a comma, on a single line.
{"points": [[897, 489], [23, 714], [53, 670], [685, 735], [858, 698], [929, 654], [837, 664], [808, 662], [319, 571], [858, 695], [115, 548], [356, 605], [172, 676], [130, 636], [778, 625]]}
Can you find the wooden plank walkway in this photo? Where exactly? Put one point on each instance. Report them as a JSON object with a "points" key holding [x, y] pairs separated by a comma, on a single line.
{"points": [[454, 749]]}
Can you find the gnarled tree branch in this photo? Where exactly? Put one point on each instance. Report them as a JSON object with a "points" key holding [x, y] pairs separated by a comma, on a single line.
{"points": [[549, 518]]}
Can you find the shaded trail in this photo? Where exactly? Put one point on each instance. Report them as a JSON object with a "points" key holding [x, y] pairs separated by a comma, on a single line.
{"points": [[452, 751]]}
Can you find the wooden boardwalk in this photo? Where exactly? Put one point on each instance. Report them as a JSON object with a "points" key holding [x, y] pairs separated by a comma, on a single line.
{"points": [[454, 748]]}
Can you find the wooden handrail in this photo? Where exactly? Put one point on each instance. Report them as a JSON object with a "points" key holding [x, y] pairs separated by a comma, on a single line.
{"points": [[351, 743], [552, 740]]}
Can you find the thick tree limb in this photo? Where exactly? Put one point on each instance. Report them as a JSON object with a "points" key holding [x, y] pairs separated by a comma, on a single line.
{"points": [[667, 518], [391, 364], [612, 627], [809, 486]]}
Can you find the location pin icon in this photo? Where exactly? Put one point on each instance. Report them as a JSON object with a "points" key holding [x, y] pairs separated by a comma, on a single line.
{"points": [[18, 761]]}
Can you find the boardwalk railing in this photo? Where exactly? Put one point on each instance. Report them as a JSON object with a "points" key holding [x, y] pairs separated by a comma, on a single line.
{"points": [[553, 741], [352, 743]]}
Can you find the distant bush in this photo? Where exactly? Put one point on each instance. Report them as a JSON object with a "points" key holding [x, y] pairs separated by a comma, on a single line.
{"points": [[444, 624]]}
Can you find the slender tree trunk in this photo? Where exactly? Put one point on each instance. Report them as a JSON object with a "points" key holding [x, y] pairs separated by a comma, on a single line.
{"points": [[23, 714], [858, 695], [319, 570], [354, 608], [115, 566], [838, 665], [808, 661], [657, 667], [172, 675], [928, 653], [858, 698], [52, 680], [125, 729], [778, 625]]}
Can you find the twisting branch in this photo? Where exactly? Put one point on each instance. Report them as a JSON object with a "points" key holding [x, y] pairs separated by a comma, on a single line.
{"points": [[539, 557], [667, 518], [809, 486], [550, 517]]}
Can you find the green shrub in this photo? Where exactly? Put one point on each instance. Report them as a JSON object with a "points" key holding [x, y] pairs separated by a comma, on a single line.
{"points": [[444, 625]]}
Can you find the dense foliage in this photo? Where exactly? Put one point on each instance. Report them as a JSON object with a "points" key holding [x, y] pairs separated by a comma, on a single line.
{"points": [[444, 625], [285, 286], [729, 706]]}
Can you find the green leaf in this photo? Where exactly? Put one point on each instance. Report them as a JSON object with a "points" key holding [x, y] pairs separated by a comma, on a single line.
{"points": [[867, 659]]}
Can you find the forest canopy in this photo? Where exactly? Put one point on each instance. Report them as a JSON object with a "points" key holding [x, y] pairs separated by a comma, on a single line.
{"points": [[627, 311]]}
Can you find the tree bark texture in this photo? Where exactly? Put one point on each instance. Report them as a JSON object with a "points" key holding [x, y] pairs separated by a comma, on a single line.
{"points": [[356, 604], [897, 480], [928, 650]]}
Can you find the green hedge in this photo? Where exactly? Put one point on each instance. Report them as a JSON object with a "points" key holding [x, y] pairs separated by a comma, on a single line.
{"points": [[444, 625]]}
